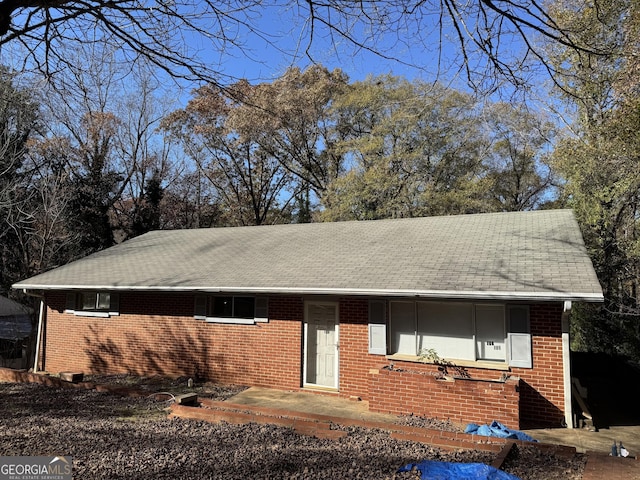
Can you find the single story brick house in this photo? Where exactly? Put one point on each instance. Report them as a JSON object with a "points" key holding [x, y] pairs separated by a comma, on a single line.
{"points": [[341, 308]]}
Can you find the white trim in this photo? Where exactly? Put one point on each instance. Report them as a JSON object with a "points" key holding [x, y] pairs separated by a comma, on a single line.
{"points": [[566, 366], [305, 337], [89, 313], [39, 338], [443, 294], [239, 321]]}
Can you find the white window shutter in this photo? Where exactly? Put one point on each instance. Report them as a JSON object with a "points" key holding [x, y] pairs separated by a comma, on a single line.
{"points": [[519, 337], [377, 328], [377, 339], [70, 304], [520, 350], [262, 309], [200, 307]]}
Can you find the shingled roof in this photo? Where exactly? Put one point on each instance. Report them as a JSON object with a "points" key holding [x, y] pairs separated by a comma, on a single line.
{"points": [[537, 255]]}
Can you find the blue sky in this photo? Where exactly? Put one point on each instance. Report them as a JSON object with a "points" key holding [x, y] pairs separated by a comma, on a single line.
{"points": [[417, 48], [285, 36], [415, 45]]}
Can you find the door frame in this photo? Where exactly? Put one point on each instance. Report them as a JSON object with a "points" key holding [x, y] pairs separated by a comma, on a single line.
{"points": [[305, 348]]}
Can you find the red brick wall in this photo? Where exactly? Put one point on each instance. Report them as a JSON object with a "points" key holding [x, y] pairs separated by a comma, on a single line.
{"points": [[156, 334], [355, 360], [461, 400], [542, 389]]}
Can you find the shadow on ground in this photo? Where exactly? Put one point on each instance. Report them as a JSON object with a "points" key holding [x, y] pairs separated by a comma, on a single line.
{"points": [[613, 388]]}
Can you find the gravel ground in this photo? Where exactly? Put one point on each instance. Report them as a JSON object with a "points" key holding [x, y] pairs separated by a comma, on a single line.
{"points": [[131, 438]]}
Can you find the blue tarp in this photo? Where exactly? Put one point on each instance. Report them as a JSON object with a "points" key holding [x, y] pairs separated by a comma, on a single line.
{"points": [[496, 429], [433, 470]]}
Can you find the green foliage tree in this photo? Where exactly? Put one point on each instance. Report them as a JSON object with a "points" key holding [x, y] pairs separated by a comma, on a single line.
{"points": [[599, 161], [147, 215], [94, 185], [518, 175], [418, 149], [409, 146]]}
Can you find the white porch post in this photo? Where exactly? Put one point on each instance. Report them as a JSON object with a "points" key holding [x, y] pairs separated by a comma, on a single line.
{"points": [[566, 365], [38, 338]]}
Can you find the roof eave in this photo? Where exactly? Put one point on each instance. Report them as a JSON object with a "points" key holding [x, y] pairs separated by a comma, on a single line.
{"points": [[367, 292]]}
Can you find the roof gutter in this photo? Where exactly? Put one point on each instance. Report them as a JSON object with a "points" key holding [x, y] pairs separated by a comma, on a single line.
{"points": [[449, 294]]}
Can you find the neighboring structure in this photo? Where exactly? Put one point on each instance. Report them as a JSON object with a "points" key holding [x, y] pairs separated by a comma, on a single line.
{"points": [[15, 327], [343, 308]]}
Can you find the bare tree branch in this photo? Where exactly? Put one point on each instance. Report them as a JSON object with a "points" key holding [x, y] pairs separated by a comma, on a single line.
{"points": [[181, 36]]}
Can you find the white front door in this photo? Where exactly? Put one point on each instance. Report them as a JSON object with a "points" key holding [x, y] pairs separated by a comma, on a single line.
{"points": [[321, 344]]}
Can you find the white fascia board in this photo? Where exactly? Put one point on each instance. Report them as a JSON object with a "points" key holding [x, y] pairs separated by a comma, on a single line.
{"points": [[448, 294]]}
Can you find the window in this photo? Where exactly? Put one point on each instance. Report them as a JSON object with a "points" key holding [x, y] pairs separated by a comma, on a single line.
{"points": [[231, 309], [461, 331], [403, 327], [93, 304], [95, 301], [490, 333], [447, 328]]}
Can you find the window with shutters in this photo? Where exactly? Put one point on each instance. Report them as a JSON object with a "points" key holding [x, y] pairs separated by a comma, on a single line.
{"points": [[93, 303], [231, 309], [460, 331]]}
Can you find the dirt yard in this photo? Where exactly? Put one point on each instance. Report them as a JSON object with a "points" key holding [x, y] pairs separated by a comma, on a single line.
{"points": [[131, 438]]}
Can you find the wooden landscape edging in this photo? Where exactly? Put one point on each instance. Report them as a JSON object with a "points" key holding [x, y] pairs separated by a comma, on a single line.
{"points": [[320, 425], [303, 423]]}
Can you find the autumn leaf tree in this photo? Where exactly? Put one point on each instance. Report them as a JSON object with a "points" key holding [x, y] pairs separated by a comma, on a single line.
{"points": [[266, 148], [248, 182], [292, 119]]}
